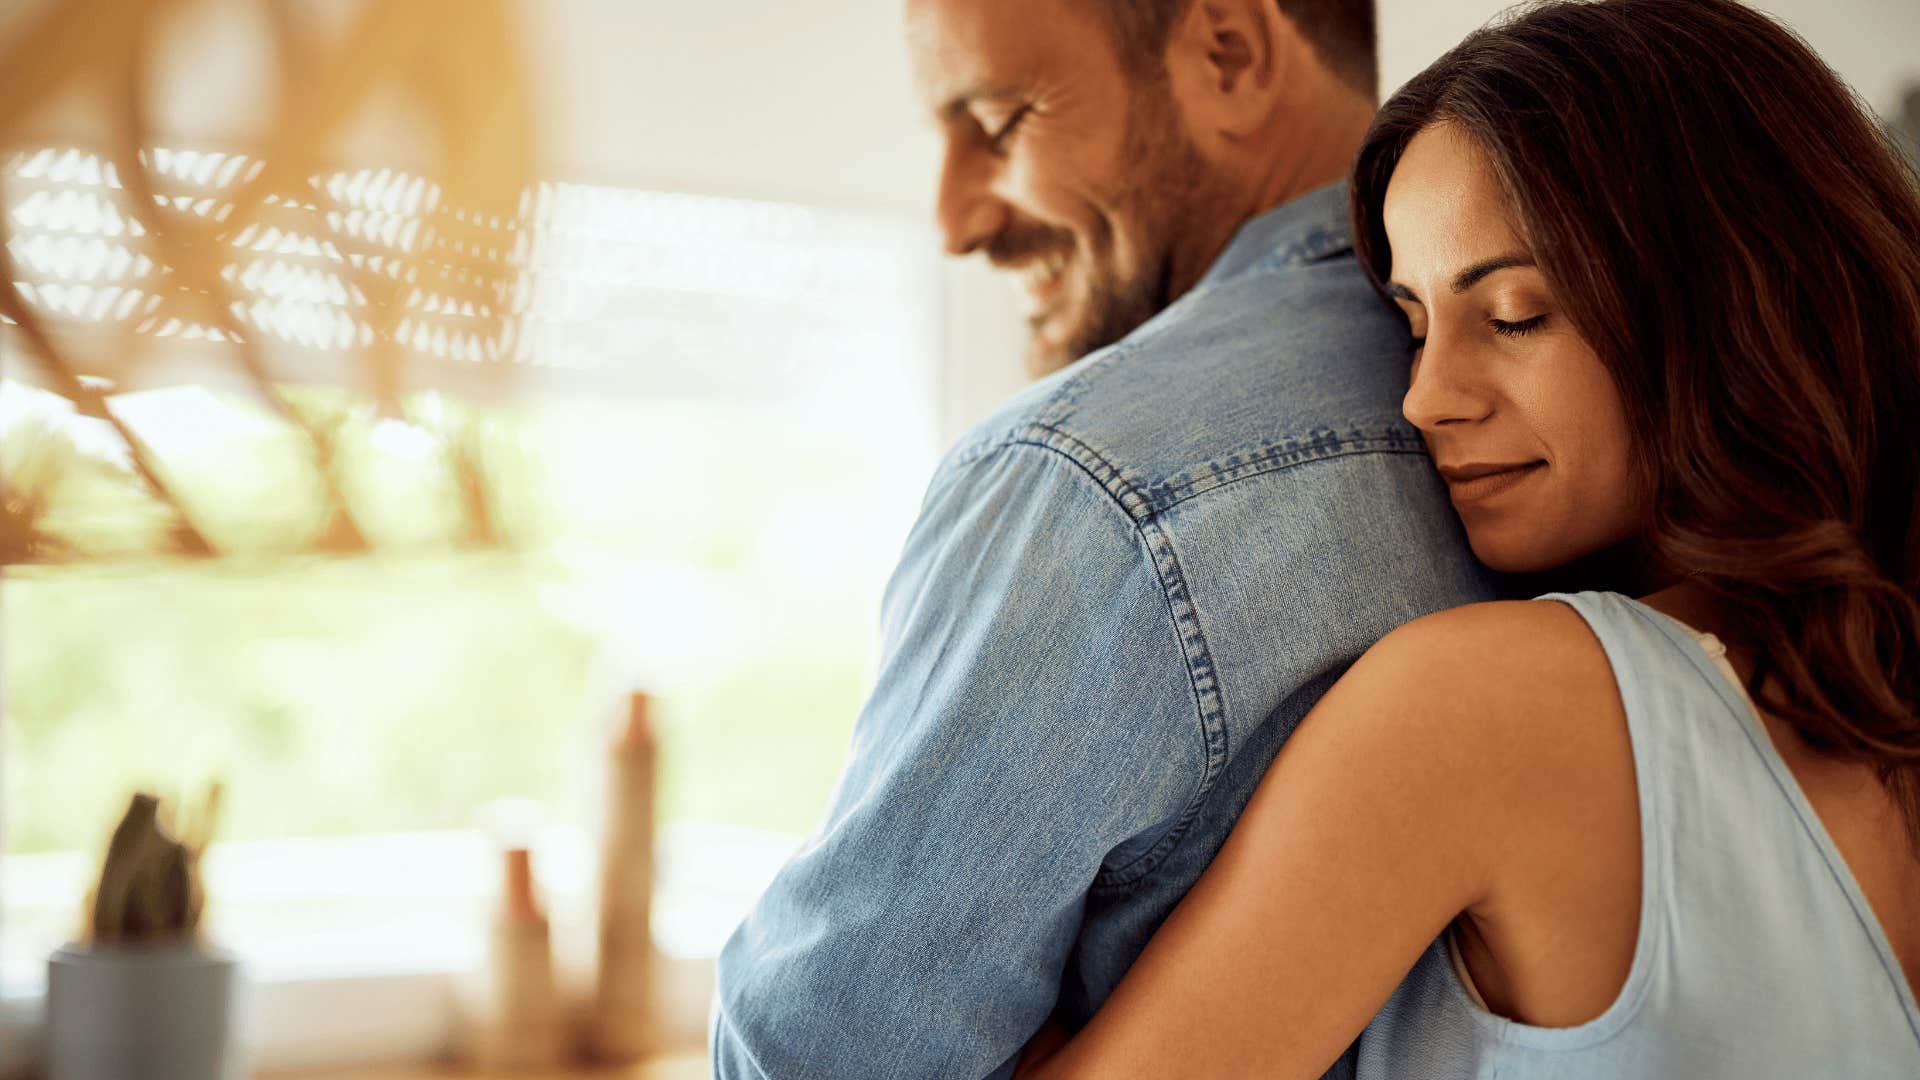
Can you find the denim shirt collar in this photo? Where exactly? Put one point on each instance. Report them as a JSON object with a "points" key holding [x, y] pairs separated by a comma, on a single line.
{"points": [[1312, 226]]}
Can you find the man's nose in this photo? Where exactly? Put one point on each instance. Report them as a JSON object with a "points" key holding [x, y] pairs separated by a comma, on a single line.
{"points": [[1446, 389], [970, 214]]}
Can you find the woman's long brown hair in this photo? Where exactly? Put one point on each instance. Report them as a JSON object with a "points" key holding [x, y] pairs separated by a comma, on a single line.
{"points": [[1737, 238]]}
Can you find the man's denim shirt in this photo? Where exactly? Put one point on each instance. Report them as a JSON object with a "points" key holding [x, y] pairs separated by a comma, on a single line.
{"points": [[1122, 594]]}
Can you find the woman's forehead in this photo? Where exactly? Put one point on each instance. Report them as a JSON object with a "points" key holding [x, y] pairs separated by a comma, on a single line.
{"points": [[1444, 207]]}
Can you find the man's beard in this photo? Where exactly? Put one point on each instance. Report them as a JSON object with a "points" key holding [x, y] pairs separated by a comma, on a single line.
{"points": [[1113, 309], [1160, 183]]}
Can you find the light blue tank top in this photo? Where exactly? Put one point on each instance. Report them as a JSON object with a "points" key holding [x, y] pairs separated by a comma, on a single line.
{"points": [[1758, 955]]}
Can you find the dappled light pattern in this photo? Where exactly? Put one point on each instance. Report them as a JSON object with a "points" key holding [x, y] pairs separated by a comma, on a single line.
{"points": [[445, 280]]}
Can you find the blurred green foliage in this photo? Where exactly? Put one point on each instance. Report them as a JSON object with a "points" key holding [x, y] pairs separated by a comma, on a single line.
{"points": [[373, 694], [479, 652], [335, 696], [431, 473]]}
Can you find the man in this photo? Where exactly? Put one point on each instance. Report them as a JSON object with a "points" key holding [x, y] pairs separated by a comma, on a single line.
{"points": [[1125, 589]]}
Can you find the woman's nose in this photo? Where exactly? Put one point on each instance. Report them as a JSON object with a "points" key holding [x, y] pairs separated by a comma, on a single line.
{"points": [[1445, 389]]}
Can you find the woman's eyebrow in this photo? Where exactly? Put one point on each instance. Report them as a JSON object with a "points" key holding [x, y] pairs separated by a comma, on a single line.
{"points": [[1473, 275]]}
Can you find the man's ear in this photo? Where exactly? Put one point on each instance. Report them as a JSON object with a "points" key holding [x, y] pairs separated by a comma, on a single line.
{"points": [[1228, 62]]}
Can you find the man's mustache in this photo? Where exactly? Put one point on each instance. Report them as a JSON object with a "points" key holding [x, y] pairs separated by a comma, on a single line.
{"points": [[1023, 241]]}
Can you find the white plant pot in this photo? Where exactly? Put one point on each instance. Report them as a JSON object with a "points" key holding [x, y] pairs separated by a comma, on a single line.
{"points": [[153, 1012]]}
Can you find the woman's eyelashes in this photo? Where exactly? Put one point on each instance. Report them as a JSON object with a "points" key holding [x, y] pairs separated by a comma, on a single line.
{"points": [[1501, 327], [1516, 329]]}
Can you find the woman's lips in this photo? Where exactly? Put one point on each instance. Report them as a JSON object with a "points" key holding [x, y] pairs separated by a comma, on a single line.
{"points": [[1480, 482]]}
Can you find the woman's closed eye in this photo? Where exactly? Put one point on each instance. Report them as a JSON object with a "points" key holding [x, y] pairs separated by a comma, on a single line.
{"points": [[1517, 329]]}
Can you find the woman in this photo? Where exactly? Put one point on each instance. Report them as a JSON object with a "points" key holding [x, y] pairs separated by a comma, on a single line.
{"points": [[1662, 275]]}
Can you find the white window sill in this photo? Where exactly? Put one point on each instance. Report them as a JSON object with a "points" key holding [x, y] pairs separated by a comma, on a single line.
{"points": [[357, 946]]}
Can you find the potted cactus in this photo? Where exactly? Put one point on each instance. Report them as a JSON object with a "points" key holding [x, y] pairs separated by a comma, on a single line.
{"points": [[141, 996]]}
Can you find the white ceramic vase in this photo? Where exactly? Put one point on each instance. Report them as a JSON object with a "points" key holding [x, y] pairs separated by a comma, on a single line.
{"points": [[143, 1012]]}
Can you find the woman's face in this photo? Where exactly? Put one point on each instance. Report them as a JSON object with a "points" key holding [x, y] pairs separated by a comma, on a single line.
{"points": [[1518, 412]]}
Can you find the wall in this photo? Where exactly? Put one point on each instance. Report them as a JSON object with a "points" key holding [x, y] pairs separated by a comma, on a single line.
{"points": [[812, 99], [1874, 44]]}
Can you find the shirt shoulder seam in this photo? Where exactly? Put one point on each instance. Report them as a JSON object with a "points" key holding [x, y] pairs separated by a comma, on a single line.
{"points": [[1202, 683], [1183, 620], [1280, 454]]}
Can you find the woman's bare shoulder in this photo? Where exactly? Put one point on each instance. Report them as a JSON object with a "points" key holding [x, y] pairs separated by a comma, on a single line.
{"points": [[1495, 655], [1526, 681]]}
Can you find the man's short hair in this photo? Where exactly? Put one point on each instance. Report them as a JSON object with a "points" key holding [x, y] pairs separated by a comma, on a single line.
{"points": [[1342, 32]]}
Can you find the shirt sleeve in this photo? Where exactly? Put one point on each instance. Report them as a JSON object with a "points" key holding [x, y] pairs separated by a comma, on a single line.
{"points": [[1033, 718]]}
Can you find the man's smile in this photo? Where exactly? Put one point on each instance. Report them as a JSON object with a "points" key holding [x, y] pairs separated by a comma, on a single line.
{"points": [[1041, 284]]}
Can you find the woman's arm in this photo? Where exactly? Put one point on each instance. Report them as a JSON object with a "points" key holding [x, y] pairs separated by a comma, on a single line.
{"points": [[1404, 799]]}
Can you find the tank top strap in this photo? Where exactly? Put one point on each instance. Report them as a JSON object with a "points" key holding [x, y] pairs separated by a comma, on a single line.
{"points": [[1756, 956], [1644, 659], [1698, 742]]}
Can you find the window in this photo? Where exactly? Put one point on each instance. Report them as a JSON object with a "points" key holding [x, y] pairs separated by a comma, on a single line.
{"points": [[688, 470]]}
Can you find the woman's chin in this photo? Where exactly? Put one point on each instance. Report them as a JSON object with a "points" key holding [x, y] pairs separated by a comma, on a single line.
{"points": [[1516, 554], [1535, 563]]}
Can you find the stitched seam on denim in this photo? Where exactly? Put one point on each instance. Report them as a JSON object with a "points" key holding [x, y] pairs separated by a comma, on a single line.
{"points": [[1200, 670], [1316, 245], [1102, 472], [1202, 679], [1276, 456], [1202, 676]]}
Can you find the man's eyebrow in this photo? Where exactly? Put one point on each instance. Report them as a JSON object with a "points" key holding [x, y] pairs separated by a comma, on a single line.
{"points": [[1473, 275], [1401, 292]]}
